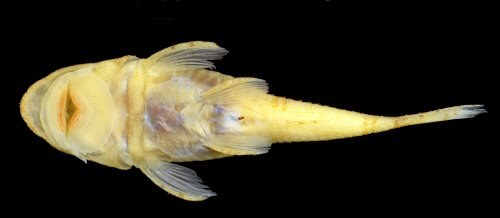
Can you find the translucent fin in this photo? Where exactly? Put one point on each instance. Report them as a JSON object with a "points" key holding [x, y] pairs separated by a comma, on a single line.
{"points": [[177, 180], [240, 144], [186, 56], [469, 111], [231, 91]]}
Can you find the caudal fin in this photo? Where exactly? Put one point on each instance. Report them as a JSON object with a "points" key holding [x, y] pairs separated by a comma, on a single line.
{"points": [[469, 111]]}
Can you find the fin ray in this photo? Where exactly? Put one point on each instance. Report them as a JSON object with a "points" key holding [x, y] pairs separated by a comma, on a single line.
{"points": [[187, 56], [231, 91], [236, 144], [177, 180]]}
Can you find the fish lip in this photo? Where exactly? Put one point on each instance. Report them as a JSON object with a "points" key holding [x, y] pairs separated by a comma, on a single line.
{"points": [[28, 107]]}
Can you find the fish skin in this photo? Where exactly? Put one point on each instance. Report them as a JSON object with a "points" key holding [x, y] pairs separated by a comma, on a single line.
{"points": [[150, 113]]}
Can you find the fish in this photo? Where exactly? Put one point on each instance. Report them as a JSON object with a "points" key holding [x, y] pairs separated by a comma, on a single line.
{"points": [[172, 107]]}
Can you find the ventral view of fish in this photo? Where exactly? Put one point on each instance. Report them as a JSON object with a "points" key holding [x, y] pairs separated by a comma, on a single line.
{"points": [[154, 113]]}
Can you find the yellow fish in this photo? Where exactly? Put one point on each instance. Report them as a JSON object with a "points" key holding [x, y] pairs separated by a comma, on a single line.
{"points": [[150, 113]]}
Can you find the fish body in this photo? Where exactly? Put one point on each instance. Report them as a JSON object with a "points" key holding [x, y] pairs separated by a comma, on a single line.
{"points": [[152, 113]]}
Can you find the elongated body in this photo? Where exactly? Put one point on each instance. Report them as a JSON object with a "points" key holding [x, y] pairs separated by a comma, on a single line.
{"points": [[150, 113]]}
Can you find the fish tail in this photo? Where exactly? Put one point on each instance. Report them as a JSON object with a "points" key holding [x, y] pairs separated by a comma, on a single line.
{"points": [[450, 113], [291, 121]]}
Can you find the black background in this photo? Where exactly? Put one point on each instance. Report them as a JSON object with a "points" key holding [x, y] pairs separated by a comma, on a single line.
{"points": [[387, 58]]}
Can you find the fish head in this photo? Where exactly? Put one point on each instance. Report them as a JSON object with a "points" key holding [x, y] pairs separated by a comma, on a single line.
{"points": [[76, 110]]}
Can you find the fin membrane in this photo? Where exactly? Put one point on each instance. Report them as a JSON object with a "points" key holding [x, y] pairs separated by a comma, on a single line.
{"points": [[232, 91], [177, 180], [188, 56], [240, 144]]}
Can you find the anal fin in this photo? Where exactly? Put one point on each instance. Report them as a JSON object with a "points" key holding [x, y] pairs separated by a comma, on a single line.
{"points": [[177, 180], [234, 138]]}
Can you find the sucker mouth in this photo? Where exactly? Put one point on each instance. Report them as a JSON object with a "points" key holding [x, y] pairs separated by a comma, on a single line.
{"points": [[72, 110], [30, 104], [68, 110], [62, 116]]}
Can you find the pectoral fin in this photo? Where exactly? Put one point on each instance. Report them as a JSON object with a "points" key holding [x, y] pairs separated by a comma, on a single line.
{"points": [[177, 180], [187, 56]]}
